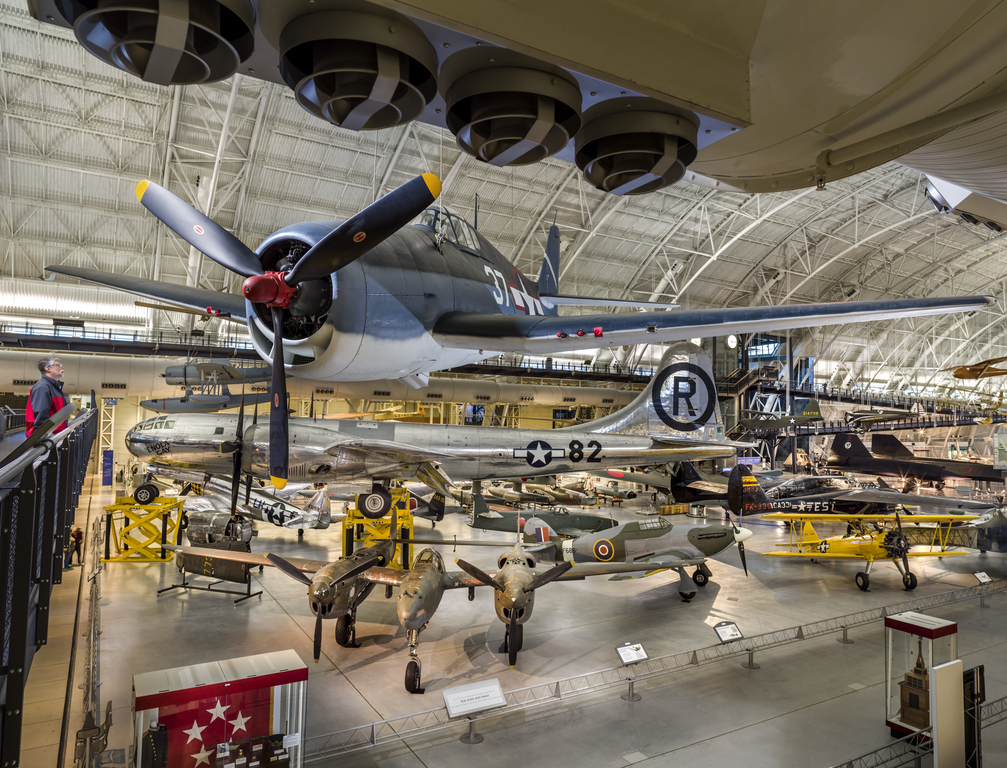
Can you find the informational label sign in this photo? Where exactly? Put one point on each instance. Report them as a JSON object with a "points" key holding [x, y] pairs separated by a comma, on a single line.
{"points": [[1000, 450], [983, 577], [728, 631], [631, 653], [106, 467], [751, 461], [291, 740], [475, 697]]}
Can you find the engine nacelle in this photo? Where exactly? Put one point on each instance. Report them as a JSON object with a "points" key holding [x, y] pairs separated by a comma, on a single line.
{"points": [[213, 527]]}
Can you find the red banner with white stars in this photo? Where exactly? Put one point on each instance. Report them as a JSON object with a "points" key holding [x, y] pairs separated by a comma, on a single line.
{"points": [[195, 728]]}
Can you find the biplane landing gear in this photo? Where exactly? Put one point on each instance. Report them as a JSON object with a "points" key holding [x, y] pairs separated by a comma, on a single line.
{"points": [[863, 578], [413, 668], [909, 581], [346, 631]]}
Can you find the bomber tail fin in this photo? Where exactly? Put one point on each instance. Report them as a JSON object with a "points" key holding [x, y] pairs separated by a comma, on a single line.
{"points": [[678, 405], [319, 506], [745, 496], [812, 409]]}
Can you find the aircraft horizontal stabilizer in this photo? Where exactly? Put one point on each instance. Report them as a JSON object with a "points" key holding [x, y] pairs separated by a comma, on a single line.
{"points": [[535, 334], [228, 304]]}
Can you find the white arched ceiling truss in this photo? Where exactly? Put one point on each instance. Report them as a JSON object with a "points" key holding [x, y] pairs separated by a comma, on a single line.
{"points": [[76, 136]]}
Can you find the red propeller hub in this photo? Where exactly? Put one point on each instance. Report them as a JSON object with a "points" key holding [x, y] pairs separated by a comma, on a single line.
{"points": [[270, 289]]}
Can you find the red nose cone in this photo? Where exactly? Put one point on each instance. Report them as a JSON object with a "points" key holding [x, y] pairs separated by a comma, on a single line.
{"points": [[259, 288]]}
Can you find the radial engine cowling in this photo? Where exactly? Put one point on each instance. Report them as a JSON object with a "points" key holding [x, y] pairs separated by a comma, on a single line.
{"points": [[212, 527], [198, 42]]}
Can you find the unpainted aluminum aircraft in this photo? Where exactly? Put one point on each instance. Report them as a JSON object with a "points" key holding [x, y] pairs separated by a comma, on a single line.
{"points": [[675, 417], [336, 589], [372, 298]]}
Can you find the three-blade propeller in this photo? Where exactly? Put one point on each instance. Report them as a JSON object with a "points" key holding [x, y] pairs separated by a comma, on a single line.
{"points": [[343, 245]]}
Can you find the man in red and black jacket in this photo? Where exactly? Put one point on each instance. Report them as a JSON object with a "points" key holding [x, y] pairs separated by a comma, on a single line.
{"points": [[46, 396]]}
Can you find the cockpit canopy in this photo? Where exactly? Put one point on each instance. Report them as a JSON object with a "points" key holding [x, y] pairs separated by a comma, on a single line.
{"points": [[158, 422], [454, 227], [429, 557]]}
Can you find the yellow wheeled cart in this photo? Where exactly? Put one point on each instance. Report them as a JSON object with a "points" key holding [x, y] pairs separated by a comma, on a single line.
{"points": [[136, 531], [366, 529]]}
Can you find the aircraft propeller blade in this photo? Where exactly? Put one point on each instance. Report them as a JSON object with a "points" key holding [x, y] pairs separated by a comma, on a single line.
{"points": [[199, 231], [482, 576], [511, 645], [358, 234], [551, 575], [289, 569], [905, 552], [741, 548], [278, 425], [317, 644], [358, 569]]}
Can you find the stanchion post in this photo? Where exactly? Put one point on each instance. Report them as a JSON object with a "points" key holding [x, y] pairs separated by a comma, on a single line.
{"points": [[472, 737], [164, 533], [108, 535]]}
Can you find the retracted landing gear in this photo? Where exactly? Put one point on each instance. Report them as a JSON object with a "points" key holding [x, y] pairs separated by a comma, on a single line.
{"points": [[413, 668]]}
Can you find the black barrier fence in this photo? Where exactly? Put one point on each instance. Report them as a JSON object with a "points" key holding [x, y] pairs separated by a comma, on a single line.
{"points": [[39, 491]]}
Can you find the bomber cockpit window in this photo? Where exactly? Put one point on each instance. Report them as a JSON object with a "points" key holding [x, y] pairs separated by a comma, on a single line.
{"points": [[148, 424], [160, 422]]}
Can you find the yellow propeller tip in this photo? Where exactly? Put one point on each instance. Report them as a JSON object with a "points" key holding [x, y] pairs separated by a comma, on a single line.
{"points": [[279, 483], [141, 188], [433, 184]]}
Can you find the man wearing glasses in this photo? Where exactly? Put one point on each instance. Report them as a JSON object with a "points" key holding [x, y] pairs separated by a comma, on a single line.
{"points": [[46, 396]]}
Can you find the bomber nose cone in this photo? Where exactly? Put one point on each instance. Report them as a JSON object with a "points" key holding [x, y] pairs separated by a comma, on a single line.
{"points": [[742, 534]]}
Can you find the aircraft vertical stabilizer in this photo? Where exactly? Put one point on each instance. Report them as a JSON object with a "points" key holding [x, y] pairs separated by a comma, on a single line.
{"points": [[679, 404], [745, 496], [849, 446], [890, 447], [812, 409], [548, 276]]}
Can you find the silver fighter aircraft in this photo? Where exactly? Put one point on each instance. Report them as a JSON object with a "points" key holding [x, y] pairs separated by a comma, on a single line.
{"points": [[374, 297], [676, 417]]}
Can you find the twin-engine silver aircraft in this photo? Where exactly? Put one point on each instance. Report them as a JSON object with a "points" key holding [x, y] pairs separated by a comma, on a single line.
{"points": [[372, 298], [677, 417]]}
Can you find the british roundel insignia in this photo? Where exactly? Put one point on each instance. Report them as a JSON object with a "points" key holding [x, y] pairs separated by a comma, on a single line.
{"points": [[603, 549], [359, 237], [197, 229]]}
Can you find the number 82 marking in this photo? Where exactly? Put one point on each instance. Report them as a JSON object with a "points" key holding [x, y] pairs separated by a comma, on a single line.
{"points": [[576, 451]]}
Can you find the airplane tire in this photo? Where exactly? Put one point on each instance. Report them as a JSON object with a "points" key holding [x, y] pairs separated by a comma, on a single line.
{"points": [[413, 677], [687, 596], [343, 631], [375, 505], [700, 578], [863, 581], [145, 494], [909, 581]]}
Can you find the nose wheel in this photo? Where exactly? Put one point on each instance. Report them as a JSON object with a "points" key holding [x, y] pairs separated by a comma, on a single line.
{"points": [[413, 669]]}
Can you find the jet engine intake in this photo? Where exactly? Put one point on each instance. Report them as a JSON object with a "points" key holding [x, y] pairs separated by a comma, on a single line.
{"points": [[196, 43]]}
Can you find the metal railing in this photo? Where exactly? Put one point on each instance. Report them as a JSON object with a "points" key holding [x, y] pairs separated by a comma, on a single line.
{"points": [[92, 737], [39, 490], [372, 734]]}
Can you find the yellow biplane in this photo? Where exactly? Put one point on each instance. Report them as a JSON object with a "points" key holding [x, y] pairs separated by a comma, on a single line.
{"points": [[869, 538]]}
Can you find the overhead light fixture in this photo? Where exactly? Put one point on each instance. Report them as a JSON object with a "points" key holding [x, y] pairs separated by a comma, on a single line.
{"points": [[732, 342]]}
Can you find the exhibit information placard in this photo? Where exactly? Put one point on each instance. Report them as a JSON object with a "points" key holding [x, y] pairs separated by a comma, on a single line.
{"points": [[631, 653], [983, 577], [475, 697], [728, 631]]}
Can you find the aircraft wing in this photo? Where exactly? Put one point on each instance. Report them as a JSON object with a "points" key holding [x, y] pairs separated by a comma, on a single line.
{"points": [[709, 487], [906, 519], [180, 295], [877, 496], [403, 451], [535, 334], [830, 556], [250, 558]]}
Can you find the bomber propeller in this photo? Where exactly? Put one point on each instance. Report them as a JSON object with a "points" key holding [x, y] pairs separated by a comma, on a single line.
{"points": [[277, 290]]}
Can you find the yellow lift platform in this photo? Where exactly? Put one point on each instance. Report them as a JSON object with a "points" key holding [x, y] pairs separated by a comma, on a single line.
{"points": [[138, 534], [359, 528]]}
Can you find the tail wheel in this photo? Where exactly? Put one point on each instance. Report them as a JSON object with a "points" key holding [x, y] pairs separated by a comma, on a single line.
{"points": [[413, 677], [700, 578], [344, 628], [909, 581], [375, 505], [863, 581]]}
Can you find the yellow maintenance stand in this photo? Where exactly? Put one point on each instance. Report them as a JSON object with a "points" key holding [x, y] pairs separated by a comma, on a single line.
{"points": [[138, 534], [357, 527]]}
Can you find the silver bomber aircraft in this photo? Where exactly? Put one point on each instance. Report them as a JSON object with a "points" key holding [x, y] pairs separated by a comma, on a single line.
{"points": [[676, 417], [374, 297]]}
